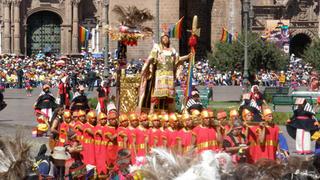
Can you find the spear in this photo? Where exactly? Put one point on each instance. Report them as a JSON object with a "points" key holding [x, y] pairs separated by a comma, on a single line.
{"points": [[195, 33]]}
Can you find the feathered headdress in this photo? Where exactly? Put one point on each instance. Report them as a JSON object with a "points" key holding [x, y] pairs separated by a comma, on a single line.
{"points": [[133, 17], [163, 165], [15, 159]]}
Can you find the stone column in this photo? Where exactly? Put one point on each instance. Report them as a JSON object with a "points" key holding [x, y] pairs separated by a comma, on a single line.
{"points": [[16, 20], [6, 31], [0, 39], [75, 27], [97, 41], [68, 26], [93, 45], [101, 41]]}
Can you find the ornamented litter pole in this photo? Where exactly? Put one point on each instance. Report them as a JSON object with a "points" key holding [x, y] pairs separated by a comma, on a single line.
{"points": [[127, 87]]}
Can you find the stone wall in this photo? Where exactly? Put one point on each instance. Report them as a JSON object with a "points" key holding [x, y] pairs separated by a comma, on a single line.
{"points": [[225, 14]]}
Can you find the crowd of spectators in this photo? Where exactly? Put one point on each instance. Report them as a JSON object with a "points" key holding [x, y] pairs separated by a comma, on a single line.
{"points": [[18, 72]]}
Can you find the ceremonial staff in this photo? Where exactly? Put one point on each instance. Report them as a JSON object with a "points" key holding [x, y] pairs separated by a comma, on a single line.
{"points": [[195, 33]]}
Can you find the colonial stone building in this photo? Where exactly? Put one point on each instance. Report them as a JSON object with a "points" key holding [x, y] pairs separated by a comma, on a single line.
{"points": [[30, 26]]}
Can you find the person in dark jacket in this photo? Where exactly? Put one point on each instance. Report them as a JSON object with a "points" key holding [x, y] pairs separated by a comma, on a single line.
{"points": [[194, 102], [2, 102], [92, 76], [74, 80], [20, 77], [302, 125], [46, 102], [252, 106], [80, 101]]}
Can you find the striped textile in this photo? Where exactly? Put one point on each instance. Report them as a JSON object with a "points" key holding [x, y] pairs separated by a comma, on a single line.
{"points": [[192, 102], [252, 104], [308, 107]]}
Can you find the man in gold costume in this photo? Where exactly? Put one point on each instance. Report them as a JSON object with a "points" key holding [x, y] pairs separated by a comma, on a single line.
{"points": [[158, 77]]}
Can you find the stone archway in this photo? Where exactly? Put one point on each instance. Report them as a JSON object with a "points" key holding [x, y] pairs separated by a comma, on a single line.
{"points": [[299, 42], [44, 32]]}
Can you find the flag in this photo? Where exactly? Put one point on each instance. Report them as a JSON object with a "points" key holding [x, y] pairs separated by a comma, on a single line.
{"points": [[229, 38], [224, 35], [84, 36], [236, 36], [175, 30]]}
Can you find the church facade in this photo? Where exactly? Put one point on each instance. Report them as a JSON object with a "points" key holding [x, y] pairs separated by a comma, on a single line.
{"points": [[30, 26]]}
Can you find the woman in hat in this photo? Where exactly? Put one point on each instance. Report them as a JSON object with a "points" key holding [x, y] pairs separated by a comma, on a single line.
{"points": [[257, 96], [46, 102], [80, 102], [57, 119], [302, 125]]}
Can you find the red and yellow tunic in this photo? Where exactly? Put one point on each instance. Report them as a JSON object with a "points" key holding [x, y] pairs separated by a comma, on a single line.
{"points": [[154, 137], [162, 137], [171, 138], [270, 145], [123, 132], [186, 140], [206, 139], [88, 145], [77, 126], [254, 151], [100, 149], [131, 144], [112, 147], [141, 135], [63, 129]]}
